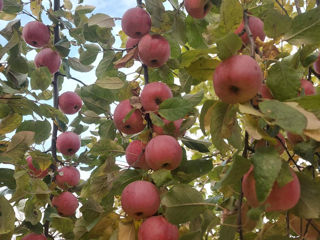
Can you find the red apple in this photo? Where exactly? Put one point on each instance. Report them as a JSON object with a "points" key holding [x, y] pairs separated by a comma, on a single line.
{"points": [[163, 151], [68, 143], [140, 199], [1, 5], [158, 228], [48, 58], [294, 138], [154, 50], [170, 128], [307, 87], [237, 79], [66, 204], [34, 236], [132, 125], [279, 199], [256, 26], [131, 43], [265, 92], [38, 173], [135, 155], [36, 34], [153, 94], [70, 103], [278, 145], [67, 177], [136, 22], [316, 65], [198, 8]]}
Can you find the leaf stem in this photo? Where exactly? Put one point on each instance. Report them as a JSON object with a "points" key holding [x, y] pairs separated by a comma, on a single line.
{"points": [[282, 7]]}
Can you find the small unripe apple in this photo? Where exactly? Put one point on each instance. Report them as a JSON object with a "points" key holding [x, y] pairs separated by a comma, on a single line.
{"points": [[135, 155], [279, 147], [170, 128], [68, 143], [70, 102], [163, 151], [158, 228], [132, 125], [237, 79], [34, 236], [48, 58], [153, 94], [265, 92], [307, 87], [66, 204], [133, 42], [294, 138], [136, 22], [279, 199], [316, 65], [36, 34], [198, 8], [38, 173], [154, 50], [256, 26], [67, 177], [140, 199]]}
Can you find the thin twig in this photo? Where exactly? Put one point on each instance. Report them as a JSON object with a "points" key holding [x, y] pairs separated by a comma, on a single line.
{"points": [[30, 15], [146, 74], [249, 33], [288, 224], [297, 6], [282, 7], [73, 78], [307, 228]]}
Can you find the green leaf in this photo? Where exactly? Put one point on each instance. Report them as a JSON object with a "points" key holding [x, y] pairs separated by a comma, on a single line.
{"points": [[285, 175], [89, 56], [63, 47], [231, 14], [84, 9], [228, 229], [7, 179], [283, 81], [12, 6], [194, 30], [18, 64], [102, 20], [161, 177], [201, 146], [32, 211], [275, 23], [174, 108], [267, 165], [229, 45], [12, 43], [41, 78], [156, 10], [42, 129], [110, 82], [62, 224], [76, 65], [283, 114], [207, 106], [10, 123], [188, 57], [7, 216], [202, 69], [182, 203], [194, 99]]}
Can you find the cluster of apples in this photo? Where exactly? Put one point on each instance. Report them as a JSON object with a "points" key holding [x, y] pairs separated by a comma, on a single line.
{"points": [[153, 50]]}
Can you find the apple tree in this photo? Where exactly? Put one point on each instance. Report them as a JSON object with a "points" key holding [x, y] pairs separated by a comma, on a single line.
{"points": [[202, 121]]}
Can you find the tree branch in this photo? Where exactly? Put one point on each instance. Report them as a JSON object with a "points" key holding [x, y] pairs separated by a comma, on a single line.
{"points": [[297, 6], [73, 78], [282, 7], [249, 33]]}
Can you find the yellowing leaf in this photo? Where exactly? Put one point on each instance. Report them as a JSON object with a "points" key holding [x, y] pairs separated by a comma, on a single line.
{"points": [[126, 231], [10, 123], [35, 7]]}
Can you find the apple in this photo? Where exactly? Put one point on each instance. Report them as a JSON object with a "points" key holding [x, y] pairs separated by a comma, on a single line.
{"points": [[68, 143], [140, 199], [34, 236], [256, 26], [154, 50], [298, 225], [70, 102], [36, 34], [279, 147], [158, 228], [316, 65], [133, 43], [294, 138], [153, 94], [1, 5], [136, 22], [279, 199], [265, 92], [38, 173], [135, 155], [170, 128], [48, 58], [66, 204], [237, 79], [307, 87], [198, 8], [67, 177], [163, 151], [132, 125]]}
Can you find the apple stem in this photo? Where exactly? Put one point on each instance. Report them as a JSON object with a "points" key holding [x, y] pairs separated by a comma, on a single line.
{"points": [[282, 7], [249, 33]]}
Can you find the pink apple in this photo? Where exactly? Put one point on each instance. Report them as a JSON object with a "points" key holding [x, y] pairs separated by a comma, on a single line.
{"points": [[316, 65], [70, 102], [67, 177], [140, 199], [158, 228], [307, 87], [48, 58], [136, 22], [153, 94], [154, 50], [135, 155], [36, 34], [198, 8], [279, 147], [265, 92], [132, 125], [256, 26], [66, 204], [163, 151], [68, 143], [237, 79], [279, 199], [38, 173], [133, 43], [170, 128], [1, 5], [34, 236]]}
